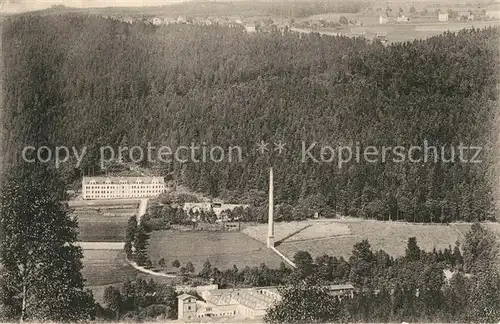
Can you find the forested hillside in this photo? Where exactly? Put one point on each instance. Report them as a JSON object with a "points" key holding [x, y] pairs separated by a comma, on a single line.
{"points": [[82, 80]]}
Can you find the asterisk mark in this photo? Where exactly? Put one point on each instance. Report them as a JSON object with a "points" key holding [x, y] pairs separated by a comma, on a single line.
{"points": [[280, 147], [262, 147]]}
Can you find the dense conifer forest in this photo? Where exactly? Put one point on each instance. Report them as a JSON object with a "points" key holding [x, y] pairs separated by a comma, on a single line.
{"points": [[78, 80]]}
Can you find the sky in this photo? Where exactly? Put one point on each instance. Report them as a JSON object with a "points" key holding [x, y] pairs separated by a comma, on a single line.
{"points": [[14, 6]]}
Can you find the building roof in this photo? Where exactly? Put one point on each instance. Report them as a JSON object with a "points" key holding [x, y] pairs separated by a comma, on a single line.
{"points": [[117, 180], [185, 296], [255, 298], [341, 287]]}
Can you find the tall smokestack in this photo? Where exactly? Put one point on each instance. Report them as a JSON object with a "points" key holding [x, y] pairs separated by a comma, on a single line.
{"points": [[270, 232]]}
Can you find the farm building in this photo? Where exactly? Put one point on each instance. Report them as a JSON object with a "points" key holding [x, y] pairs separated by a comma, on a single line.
{"points": [[443, 16], [495, 14], [250, 28], [402, 18], [128, 20], [382, 37], [216, 207], [383, 20], [122, 187], [465, 15]]}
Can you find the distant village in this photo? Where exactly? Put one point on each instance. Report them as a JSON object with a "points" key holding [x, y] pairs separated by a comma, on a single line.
{"points": [[440, 15], [332, 25], [235, 22]]}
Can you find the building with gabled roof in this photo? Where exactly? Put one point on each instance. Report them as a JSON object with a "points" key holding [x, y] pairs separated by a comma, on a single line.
{"points": [[238, 303]]}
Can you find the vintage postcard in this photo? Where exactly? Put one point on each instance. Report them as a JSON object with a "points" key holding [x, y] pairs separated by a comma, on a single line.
{"points": [[198, 161]]}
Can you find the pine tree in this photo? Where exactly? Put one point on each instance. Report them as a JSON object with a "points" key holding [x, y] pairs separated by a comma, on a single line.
{"points": [[457, 255], [140, 245], [412, 250], [42, 265], [206, 270], [480, 249], [114, 300], [190, 267]]}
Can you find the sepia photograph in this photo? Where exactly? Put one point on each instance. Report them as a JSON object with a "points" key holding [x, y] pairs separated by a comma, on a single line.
{"points": [[237, 161]]}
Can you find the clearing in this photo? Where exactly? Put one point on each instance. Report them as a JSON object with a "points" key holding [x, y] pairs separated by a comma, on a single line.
{"points": [[336, 237], [222, 249]]}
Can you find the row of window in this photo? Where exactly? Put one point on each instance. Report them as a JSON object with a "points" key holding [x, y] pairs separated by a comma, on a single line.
{"points": [[95, 196], [93, 182], [216, 314], [118, 187], [122, 192]]}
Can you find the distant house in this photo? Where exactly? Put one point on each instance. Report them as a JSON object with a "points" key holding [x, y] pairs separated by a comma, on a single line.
{"points": [[197, 207], [216, 207], [232, 226], [465, 15], [402, 18], [443, 16], [341, 291], [207, 22], [383, 20], [181, 20], [128, 20], [157, 21], [250, 28], [494, 14], [168, 21], [382, 37]]}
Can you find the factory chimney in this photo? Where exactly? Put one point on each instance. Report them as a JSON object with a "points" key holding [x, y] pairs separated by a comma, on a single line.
{"points": [[270, 232]]}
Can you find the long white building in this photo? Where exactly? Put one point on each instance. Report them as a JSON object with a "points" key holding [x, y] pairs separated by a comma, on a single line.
{"points": [[122, 187]]}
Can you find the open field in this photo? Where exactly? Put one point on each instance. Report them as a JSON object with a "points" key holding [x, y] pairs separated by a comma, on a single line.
{"points": [[110, 229], [337, 237], [105, 267], [103, 220], [222, 249], [294, 231], [403, 32]]}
